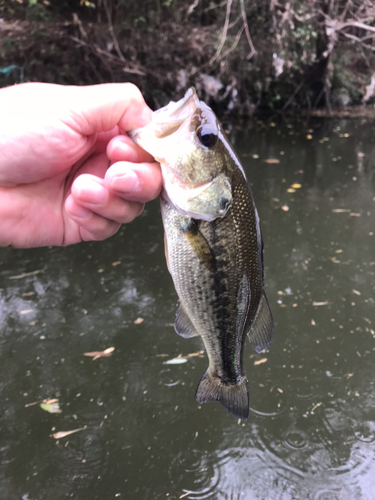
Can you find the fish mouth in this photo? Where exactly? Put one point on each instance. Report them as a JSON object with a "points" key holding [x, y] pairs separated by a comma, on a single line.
{"points": [[168, 119]]}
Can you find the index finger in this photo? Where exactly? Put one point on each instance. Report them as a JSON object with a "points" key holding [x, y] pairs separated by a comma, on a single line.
{"points": [[122, 148]]}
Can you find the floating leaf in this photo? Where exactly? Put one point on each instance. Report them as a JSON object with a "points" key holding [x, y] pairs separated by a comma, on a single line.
{"points": [[316, 406], [138, 321], [25, 275], [320, 303], [255, 156], [176, 361], [114, 264], [272, 160], [260, 361], [285, 208], [309, 136], [100, 354], [51, 405], [62, 434], [296, 185]]}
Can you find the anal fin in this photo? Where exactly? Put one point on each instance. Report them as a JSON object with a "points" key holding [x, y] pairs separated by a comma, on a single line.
{"points": [[182, 325], [261, 331], [234, 397]]}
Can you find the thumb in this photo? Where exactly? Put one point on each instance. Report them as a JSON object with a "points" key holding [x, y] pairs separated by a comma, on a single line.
{"points": [[99, 108]]}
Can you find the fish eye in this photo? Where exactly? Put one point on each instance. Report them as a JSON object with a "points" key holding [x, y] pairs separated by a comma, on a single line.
{"points": [[206, 136]]}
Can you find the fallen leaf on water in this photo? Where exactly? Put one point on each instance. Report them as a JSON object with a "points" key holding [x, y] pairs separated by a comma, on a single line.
{"points": [[114, 264], [296, 185], [176, 361], [51, 405], [309, 136], [341, 210], [260, 361], [356, 292], [361, 155], [320, 303], [255, 157], [24, 275], [185, 494], [315, 406], [138, 321], [62, 434], [285, 208], [100, 354], [26, 311], [272, 160], [291, 190], [192, 354]]}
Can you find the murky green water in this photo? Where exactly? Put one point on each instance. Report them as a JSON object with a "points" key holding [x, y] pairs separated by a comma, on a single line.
{"points": [[311, 431]]}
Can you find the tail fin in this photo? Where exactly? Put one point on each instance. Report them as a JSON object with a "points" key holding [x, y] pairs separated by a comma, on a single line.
{"points": [[234, 397]]}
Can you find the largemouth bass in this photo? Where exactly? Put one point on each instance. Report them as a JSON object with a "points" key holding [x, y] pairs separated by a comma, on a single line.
{"points": [[213, 245]]}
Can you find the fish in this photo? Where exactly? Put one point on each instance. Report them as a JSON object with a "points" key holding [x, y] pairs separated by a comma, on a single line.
{"points": [[213, 245]]}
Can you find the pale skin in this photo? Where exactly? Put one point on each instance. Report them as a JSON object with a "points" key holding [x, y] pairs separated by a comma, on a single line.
{"points": [[68, 171]]}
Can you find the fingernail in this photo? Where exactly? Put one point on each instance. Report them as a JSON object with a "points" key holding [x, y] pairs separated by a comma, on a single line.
{"points": [[82, 212], [98, 194], [126, 183]]}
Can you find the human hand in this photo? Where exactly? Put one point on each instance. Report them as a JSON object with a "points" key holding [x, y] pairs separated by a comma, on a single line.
{"points": [[66, 175]]}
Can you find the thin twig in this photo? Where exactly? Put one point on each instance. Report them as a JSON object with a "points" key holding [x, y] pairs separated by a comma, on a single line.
{"points": [[225, 32], [112, 32], [247, 32]]}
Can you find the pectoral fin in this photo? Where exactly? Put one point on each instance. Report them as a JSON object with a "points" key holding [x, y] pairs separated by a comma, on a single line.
{"points": [[182, 325], [261, 331], [199, 244]]}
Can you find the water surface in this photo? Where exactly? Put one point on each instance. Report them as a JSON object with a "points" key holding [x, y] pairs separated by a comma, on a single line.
{"points": [[311, 430]]}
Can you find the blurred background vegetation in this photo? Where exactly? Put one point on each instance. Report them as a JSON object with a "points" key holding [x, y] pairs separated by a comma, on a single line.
{"points": [[242, 55]]}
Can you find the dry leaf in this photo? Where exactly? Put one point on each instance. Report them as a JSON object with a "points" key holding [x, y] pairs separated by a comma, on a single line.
{"points": [[320, 303], [272, 160], [100, 354], [62, 434], [315, 406], [176, 361], [114, 264], [26, 311], [285, 208], [192, 354], [260, 361], [291, 190], [51, 405], [138, 321], [24, 275], [341, 210], [296, 185]]}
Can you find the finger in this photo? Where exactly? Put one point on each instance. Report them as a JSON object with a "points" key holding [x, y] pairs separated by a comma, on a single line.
{"points": [[91, 226], [90, 194], [99, 108], [134, 181], [122, 148]]}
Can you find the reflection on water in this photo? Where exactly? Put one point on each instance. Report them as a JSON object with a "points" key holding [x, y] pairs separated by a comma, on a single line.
{"points": [[311, 430]]}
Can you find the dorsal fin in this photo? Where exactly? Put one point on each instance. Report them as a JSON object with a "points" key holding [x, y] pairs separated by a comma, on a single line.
{"points": [[182, 325]]}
